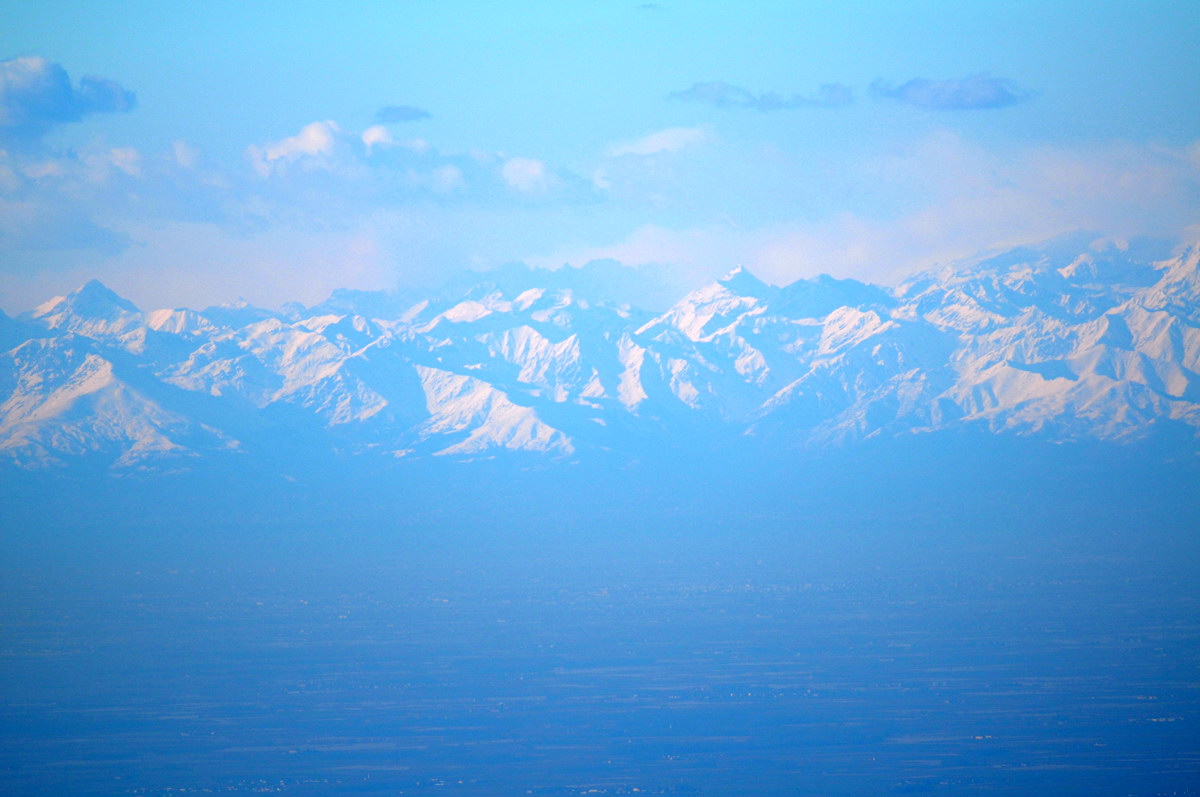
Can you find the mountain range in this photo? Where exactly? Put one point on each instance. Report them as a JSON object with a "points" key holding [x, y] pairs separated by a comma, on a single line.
{"points": [[1062, 342]]}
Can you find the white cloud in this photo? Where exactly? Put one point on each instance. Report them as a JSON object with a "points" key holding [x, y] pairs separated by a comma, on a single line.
{"points": [[937, 199], [97, 166], [316, 139], [526, 174], [343, 175], [671, 139], [380, 136], [127, 159], [186, 156], [377, 135]]}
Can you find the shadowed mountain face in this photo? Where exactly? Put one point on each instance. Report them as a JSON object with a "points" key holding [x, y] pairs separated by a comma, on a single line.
{"points": [[1064, 346]]}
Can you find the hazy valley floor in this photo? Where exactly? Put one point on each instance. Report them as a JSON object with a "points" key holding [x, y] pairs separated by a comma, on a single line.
{"points": [[847, 628]]}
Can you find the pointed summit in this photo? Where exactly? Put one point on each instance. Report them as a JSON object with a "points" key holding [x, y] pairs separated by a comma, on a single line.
{"points": [[92, 300], [95, 297], [90, 308], [743, 283], [718, 304]]}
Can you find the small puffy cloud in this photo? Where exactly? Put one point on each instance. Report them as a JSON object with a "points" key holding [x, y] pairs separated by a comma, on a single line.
{"points": [[380, 137], [672, 139], [525, 174], [315, 140], [325, 174], [36, 95], [723, 95], [391, 114], [377, 135], [968, 94]]}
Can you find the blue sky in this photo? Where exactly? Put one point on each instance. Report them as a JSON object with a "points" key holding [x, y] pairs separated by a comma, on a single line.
{"points": [[188, 154]]}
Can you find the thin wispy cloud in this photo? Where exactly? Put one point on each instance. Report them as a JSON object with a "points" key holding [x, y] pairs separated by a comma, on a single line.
{"points": [[36, 95], [724, 95], [976, 92], [392, 114], [671, 139]]}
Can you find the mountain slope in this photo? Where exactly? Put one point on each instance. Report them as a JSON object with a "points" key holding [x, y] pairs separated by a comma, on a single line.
{"points": [[1064, 344]]}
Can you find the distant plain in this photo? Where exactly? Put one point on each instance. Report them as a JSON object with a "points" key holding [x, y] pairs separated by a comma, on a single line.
{"points": [[846, 626]]}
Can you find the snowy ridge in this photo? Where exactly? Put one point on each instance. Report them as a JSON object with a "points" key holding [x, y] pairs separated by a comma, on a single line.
{"points": [[1099, 342]]}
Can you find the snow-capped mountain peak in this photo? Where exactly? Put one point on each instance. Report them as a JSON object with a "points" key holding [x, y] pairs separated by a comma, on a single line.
{"points": [[1100, 342], [714, 306], [91, 309]]}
